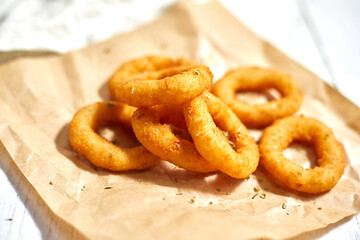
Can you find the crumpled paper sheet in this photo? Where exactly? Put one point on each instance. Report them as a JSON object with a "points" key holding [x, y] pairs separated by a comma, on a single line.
{"points": [[39, 96]]}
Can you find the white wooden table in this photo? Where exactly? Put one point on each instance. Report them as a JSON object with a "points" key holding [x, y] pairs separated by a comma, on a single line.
{"points": [[323, 35]]}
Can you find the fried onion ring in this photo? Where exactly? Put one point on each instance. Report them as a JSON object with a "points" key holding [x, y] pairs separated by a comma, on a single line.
{"points": [[159, 82], [160, 139], [257, 79], [98, 150], [201, 114], [146, 64], [330, 155]]}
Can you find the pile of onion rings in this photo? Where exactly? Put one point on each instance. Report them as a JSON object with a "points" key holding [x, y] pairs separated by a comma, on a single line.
{"points": [[168, 104]]}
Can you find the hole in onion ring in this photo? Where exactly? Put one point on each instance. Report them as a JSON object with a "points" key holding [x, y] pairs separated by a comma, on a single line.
{"points": [[258, 97], [302, 154], [227, 136], [118, 135], [179, 132]]}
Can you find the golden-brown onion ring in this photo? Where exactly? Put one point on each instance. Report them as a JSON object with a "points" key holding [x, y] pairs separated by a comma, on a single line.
{"points": [[98, 150], [329, 152], [146, 64], [257, 79], [160, 139], [165, 83], [202, 115]]}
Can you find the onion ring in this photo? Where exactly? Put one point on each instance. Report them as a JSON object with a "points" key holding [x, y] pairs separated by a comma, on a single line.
{"points": [[146, 64], [201, 114], [170, 82], [330, 154], [160, 139], [98, 150], [257, 79], [142, 65]]}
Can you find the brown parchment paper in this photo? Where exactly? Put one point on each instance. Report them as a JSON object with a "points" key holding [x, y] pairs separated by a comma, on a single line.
{"points": [[39, 96]]}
